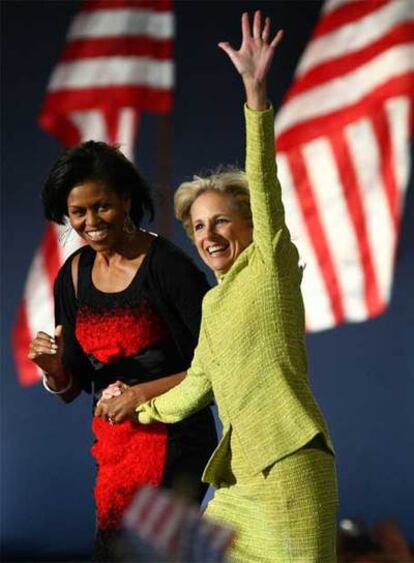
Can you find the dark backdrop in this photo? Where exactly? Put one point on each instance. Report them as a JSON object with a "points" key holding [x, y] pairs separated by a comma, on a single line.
{"points": [[362, 374]]}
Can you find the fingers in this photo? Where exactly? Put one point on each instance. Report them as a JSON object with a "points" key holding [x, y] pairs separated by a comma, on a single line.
{"points": [[266, 30], [38, 350], [245, 24], [59, 339], [110, 392], [42, 334], [102, 409], [257, 25], [107, 411], [227, 48], [114, 390], [277, 39], [117, 403], [98, 409], [259, 32], [42, 344], [117, 418], [59, 335]]}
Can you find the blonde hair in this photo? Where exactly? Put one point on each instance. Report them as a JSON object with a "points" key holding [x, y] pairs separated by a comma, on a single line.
{"points": [[228, 181]]}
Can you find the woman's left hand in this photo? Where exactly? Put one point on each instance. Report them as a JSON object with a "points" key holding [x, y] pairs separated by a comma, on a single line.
{"points": [[121, 406]]}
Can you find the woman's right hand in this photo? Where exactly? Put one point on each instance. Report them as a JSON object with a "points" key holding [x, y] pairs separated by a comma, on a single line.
{"points": [[47, 351], [254, 58]]}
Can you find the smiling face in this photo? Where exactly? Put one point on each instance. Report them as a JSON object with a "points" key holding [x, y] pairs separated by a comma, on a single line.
{"points": [[97, 214], [220, 232]]}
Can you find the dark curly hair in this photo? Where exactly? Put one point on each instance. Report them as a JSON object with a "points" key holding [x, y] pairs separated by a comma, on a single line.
{"points": [[96, 161]]}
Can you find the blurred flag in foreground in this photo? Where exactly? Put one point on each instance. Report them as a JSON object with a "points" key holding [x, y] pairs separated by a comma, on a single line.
{"points": [[164, 528], [343, 152], [116, 63]]}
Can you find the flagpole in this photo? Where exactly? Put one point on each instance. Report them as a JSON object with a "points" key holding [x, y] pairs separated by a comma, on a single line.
{"points": [[165, 174]]}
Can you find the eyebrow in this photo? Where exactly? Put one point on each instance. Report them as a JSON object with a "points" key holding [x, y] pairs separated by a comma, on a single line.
{"points": [[213, 217], [94, 204]]}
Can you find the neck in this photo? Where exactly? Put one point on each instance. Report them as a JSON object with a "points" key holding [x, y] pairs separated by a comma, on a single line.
{"points": [[129, 248]]}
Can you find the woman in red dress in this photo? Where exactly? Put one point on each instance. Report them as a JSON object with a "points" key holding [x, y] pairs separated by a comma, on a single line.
{"points": [[127, 308]]}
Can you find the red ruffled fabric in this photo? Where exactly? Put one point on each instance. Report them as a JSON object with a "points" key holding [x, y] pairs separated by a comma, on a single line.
{"points": [[128, 455], [118, 332]]}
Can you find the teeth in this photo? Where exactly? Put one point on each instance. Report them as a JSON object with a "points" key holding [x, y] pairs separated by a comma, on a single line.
{"points": [[97, 235], [215, 248]]}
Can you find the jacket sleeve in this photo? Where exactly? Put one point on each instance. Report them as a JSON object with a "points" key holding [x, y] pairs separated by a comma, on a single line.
{"points": [[270, 232], [191, 395]]}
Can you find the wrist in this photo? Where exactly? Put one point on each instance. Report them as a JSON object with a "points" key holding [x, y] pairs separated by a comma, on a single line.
{"points": [[57, 386], [57, 378], [256, 94], [139, 393]]}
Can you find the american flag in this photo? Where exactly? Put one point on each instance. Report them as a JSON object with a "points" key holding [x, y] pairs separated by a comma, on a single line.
{"points": [[172, 530], [343, 154], [116, 63]]}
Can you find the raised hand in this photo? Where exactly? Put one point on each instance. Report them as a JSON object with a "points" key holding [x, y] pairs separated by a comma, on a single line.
{"points": [[254, 58]]}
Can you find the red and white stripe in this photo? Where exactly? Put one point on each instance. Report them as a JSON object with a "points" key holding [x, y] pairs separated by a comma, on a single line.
{"points": [[116, 63], [343, 153], [175, 529]]}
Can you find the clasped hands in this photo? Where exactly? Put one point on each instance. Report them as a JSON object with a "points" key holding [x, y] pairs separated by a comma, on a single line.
{"points": [[118, 402]]}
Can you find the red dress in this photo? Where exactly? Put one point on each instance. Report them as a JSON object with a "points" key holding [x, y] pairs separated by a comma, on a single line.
{"points": [[142, 333]]}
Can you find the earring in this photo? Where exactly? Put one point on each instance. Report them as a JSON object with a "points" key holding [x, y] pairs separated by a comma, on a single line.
{"points": [[129, 226]]}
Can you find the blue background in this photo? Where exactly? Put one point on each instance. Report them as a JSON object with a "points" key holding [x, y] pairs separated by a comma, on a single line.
{"points": [[363, 375]]}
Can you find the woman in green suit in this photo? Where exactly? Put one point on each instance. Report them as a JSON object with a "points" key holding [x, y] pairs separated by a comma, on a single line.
{"points": [[273, 470]]}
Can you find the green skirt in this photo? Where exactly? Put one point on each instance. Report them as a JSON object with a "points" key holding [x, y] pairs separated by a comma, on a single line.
{"points": [[286, 514]]}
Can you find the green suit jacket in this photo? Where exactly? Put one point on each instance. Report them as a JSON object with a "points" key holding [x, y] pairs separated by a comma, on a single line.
{"points": [[251, 353]]}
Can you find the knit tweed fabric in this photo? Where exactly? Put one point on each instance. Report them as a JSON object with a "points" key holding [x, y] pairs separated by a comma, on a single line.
{"points": [[251, 356], [285, 513]]}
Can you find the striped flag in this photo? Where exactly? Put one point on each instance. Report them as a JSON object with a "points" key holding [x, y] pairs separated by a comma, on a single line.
{"points": [[116, 63], [343, 153], [168, 529]]}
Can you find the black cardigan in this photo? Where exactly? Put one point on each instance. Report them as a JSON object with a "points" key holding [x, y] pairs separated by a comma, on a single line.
{"points": [[177, 287]]}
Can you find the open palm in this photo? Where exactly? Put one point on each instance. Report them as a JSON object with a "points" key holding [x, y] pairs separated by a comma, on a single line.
{"points": [[256, 52]]}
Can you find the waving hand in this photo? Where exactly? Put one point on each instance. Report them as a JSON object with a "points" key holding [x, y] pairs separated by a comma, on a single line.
{"points": [[254, 58]]}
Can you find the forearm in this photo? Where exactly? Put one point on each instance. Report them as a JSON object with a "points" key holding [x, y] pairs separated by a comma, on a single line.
{"points": [[265, 191], [191, 395], [147, 391], [119, 401]]}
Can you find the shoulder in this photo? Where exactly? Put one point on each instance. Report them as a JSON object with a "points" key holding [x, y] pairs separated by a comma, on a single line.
{"points": [[74, 258], [68, 273]]}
